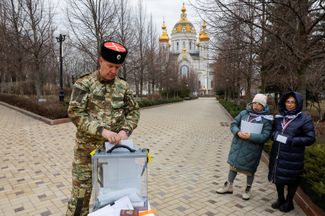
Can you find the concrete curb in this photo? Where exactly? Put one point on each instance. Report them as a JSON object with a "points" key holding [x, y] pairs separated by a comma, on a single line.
{"points": [[56, 121], [225, 111], [33, 115]]}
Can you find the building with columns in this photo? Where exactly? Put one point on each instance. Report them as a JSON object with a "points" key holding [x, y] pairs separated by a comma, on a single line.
{"points": [[190, 51]]}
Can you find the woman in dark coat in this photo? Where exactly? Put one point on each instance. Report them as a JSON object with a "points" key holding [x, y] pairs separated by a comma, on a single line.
{"points": [[293, 131]]}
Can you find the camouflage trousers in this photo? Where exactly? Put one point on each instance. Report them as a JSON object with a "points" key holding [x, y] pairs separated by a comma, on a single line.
{"points": [[81, 179]]}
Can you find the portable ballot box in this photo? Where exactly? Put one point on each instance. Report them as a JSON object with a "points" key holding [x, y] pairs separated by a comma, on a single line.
{"points": [[120, 172]]}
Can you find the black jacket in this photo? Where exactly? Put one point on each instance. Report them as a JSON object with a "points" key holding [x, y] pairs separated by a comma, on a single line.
{"points": [[287, 159]]}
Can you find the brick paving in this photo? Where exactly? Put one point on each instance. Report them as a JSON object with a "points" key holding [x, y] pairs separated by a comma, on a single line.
{"points": [[189, 143]]}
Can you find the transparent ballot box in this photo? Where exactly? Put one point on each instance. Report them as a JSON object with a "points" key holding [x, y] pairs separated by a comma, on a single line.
{"points": [[117, 173]]}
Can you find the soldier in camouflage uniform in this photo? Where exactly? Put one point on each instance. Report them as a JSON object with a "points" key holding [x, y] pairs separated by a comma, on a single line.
{"points": [[103, 108]]}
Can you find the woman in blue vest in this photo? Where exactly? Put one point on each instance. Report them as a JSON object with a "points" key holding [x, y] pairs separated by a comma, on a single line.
{"points": [[293, 131]]}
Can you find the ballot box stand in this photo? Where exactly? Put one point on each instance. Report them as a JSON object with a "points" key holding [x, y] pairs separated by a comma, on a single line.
{"points": [[120, 172]]}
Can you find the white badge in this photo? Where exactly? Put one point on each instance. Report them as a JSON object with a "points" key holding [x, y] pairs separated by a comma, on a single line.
{"points": [[281, 139], [258, 118]]}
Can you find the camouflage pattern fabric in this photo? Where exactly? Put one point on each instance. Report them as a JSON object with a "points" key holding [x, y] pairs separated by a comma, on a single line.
{"points": [[95, 104]]}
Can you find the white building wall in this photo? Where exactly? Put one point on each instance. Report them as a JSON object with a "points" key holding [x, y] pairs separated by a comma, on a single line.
{"points": [[201, 66], [183, 40]]}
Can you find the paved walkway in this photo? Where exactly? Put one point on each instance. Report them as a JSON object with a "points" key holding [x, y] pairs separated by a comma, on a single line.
{"points": [[189, 142]]}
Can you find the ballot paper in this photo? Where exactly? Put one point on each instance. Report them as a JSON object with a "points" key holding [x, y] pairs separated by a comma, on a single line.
{"points": [[127, 142], [251, 127], [114, 210], [107, 195]]}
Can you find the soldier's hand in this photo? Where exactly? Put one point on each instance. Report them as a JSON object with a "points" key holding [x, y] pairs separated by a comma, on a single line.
{"points": [[111, 136], [123, 135]]}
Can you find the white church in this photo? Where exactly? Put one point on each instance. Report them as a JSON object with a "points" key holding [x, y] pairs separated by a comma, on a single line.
{"points": [[191, 51]]}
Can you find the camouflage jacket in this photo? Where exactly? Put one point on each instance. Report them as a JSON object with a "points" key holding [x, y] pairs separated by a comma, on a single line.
{"points": [[96, 104]]}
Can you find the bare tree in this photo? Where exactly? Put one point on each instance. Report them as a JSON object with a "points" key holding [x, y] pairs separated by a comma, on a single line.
{"points": [[92, 22], [27, 44], [291, 25], [3, 56], [237, 44], [38, 38], [152, 56], [125, 33], [139, 74], [169, 76], [316, 86], [15, 24]]}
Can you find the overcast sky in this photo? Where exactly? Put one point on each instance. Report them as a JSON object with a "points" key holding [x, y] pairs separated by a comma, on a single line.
{"points": [[168, 10]]}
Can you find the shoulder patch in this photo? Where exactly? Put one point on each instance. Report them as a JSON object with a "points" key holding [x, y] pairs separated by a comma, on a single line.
{"points": [[122, 78], [84, 74]]}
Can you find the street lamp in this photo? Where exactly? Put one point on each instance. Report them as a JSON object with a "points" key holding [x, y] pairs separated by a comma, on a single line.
{"points": [[227, 89], [60, 40], [208, 77]]}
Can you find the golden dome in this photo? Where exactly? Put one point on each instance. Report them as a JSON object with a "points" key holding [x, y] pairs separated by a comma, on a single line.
{"points": [[203, 35], [164, 35], [183, 25]]}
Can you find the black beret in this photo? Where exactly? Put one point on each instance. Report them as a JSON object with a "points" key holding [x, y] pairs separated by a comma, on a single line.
{"points": [[113, 52]]}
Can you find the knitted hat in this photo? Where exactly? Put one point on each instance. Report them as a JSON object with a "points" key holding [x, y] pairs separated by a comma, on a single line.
{"points": [[260, 98], [113, 52]]}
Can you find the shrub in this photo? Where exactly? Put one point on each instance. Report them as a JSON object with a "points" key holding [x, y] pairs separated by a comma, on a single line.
{"points": [[192, 97], [153, 96], [232, 108], [146, 102], [52, 109], [313, 182], [267, 146]]}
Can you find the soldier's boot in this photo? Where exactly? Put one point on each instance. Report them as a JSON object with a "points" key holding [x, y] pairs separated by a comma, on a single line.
{"points": [[76, 205]]}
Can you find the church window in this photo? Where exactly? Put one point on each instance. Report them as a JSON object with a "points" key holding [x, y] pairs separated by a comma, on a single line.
{"points": [[177, 48], [190, 45], [183, 44], [183, 29], [184, 71]]}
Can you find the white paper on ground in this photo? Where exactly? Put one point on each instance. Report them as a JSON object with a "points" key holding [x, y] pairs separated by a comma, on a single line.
{"points": [[127, 142], [250, 127], [107, 210], [114, 210]]}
